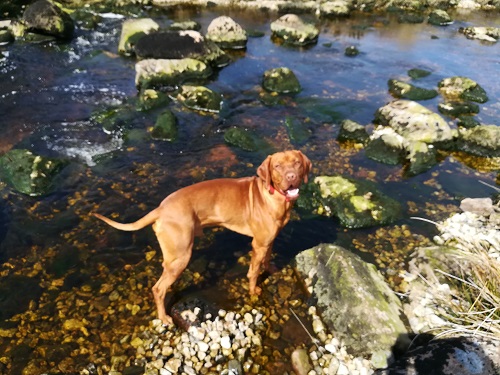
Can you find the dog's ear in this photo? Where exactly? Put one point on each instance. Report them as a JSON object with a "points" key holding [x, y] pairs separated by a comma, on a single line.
{"points": [[264, 171], [307, 166]]}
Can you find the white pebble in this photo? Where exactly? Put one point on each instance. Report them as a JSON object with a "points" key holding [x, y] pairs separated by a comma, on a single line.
{"points": [[225, 342]]}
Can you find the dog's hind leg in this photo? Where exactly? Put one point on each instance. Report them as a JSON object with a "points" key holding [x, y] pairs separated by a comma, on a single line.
{"points": [[176, 255]]}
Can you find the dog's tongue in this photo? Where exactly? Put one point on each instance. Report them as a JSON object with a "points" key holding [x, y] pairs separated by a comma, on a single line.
{"points": [[292, 193]]}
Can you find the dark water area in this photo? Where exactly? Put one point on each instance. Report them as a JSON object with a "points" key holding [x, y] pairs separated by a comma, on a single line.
{"points": [[49, 92]]}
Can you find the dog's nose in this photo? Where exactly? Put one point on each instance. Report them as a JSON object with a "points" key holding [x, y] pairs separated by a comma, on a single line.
{"points": [[291, 176]]}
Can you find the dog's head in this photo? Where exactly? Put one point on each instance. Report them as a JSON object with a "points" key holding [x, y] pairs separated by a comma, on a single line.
{"points": [[285, 171]]}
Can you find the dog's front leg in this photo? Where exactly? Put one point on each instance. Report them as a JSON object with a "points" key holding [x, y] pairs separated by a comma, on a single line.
{"points": [[260, 252]]}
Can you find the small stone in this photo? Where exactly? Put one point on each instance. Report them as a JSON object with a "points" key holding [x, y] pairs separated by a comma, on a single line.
{"points": [[248, 318], [225, 342]]}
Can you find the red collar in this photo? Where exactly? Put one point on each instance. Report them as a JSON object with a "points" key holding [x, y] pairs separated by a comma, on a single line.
{"points": [[272, 190]]}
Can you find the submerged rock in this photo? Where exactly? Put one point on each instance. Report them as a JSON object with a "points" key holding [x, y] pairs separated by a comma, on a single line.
{"points": [[200, 98], [165, 128], [293, 30], [298, 132], [462, 88], [357, 204], [354, 301], [180, 45], [281, 80], [416, 73], [414, 122], [151, 73], [226, 33], [400, 89], [47, 18], [132, 31], [29, 174], [240, 138]]}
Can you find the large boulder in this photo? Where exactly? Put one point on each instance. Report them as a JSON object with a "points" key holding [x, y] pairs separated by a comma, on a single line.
{"points": [[357, 204], [28, 173], [226, 33], [44, 17], [151, 73], [335, 8], [291, 29], [132, 31], [414, 122], [462, 88], [354, 301], [180, 45], [439, 17]]}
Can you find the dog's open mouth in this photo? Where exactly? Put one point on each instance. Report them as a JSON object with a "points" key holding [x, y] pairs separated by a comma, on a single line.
{"points": [[292, 193]]}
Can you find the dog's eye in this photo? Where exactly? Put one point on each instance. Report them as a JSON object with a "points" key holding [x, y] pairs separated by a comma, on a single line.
{"points": [[277, 166]]}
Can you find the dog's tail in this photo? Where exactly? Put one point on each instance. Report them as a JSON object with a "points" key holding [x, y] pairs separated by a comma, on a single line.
{"points": [[150, 218]]}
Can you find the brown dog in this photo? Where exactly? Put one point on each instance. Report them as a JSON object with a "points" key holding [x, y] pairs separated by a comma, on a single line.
{"points": [[257, 207]]}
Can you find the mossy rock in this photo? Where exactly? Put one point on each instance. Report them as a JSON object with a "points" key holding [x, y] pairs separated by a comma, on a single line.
{"points": [[112, 119], [240, 138], [44, 17], [355, 302], [351, 131], [200, 98], [455, 109], [439, 17], [400, 89], [165, 127], [150, 99], [462, 88], [482, 140], [357, 204], [29, 174], [351, 51], [420, 158], [468, 121], [281, 80], [154, 73], [386, 146]]}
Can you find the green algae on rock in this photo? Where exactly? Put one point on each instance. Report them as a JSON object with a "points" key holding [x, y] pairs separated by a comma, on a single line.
{"points": [[462, 88], [293, 30], [281, 80], [355, 302], [28, 173], [200, 98], [165, 127], [240, 138], [151, 73], [357, 204], [400, 89], [132, 31]]}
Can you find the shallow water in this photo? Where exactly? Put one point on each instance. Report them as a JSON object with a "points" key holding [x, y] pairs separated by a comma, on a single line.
{"points": [[49, 91]]}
